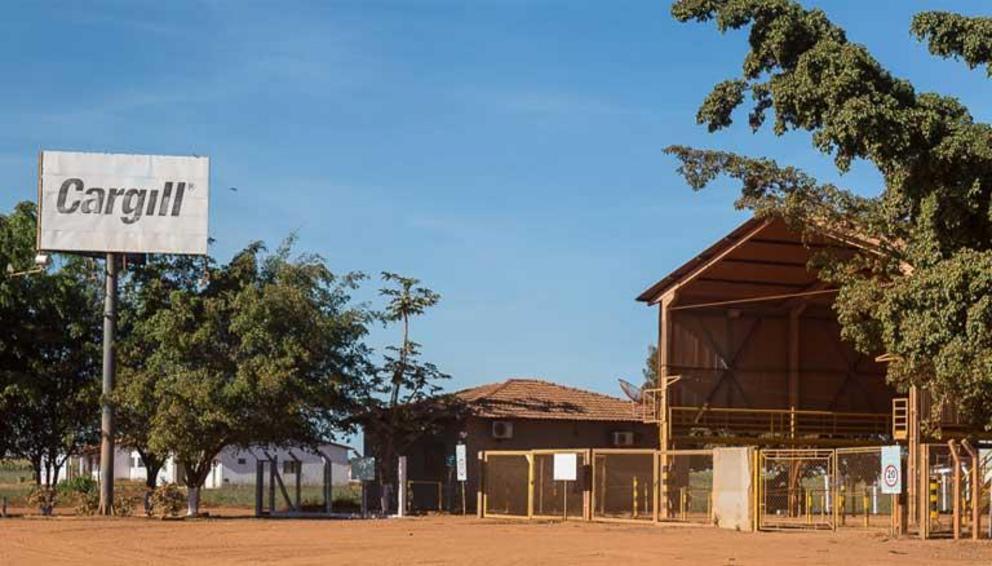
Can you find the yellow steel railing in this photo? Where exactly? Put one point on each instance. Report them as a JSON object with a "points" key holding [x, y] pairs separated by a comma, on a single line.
{"points": [[781, 422]]}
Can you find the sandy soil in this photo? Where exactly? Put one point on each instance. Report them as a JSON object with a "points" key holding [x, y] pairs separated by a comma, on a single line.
{"points": [[448, 540]]}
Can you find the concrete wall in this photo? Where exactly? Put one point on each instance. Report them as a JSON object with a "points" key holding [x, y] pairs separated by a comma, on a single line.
{"points": [[732, 489]]}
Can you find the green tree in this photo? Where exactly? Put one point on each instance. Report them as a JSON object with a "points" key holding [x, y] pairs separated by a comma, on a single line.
{"points": [[146, 290], [49, 353], [399, 401], [650, 371], [261, 352], [922, 290]]}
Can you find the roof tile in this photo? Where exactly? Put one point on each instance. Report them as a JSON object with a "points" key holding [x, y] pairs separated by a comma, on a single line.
{"points": [[538, 399]]}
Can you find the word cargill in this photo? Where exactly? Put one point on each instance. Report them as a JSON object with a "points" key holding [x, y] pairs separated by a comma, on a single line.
{"points": [[73, 196]]}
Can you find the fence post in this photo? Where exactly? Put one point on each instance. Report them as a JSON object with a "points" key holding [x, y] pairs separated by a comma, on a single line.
{"points": [[587, 496], [530, 485], [956, 503], [401, 487], [259, 487], [976, 490], [272, 484], [655, 482], [480, 494]]}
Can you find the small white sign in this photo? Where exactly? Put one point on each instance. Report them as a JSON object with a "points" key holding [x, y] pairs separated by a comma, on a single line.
{"points": [[461, 462], [108, 202], [891, 472], [566, 467]]}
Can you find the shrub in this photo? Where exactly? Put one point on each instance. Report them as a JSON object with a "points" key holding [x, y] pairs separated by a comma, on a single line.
{"points": [[78, 484], [87, 502], [168, 500], [123, 503], [44, 498]]}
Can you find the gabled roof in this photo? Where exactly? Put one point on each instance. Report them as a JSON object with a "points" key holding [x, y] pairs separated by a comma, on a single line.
{"points": [[762, 256], [538, 399], [653, 292]]}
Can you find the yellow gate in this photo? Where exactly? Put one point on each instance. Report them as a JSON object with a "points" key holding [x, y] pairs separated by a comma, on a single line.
{"points": [[795, 489]]}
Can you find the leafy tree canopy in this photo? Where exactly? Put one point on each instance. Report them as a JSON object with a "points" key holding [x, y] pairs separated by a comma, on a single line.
{"points": [[49, 350], [261, 351]]}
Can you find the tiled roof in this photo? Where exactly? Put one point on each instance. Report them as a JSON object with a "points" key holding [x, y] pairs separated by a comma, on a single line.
{"points": [[538, 399]]}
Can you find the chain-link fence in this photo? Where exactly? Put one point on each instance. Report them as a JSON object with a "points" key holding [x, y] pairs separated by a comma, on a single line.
{"points": [[506, 489], [559, 498], [424, 496], [623, 484], [796, 489], [860, 501], [687, 485]]}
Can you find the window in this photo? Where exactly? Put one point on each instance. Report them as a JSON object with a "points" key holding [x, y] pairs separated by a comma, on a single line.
{"points": [[290, 467], [138, 463], [242, 461]]}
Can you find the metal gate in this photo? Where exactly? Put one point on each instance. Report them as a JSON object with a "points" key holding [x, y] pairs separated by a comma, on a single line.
{"points": [[795, 489]]}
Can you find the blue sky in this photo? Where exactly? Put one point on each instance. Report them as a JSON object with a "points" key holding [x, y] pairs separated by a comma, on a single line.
{"points": [[506, 152]]}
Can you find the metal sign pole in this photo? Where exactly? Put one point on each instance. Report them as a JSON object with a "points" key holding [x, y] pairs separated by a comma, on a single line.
{"points": [[565, 502], [365, 502], [109, 369]]}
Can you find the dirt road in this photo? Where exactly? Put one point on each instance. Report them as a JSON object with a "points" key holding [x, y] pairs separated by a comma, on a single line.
{"points": [[447, 540]]}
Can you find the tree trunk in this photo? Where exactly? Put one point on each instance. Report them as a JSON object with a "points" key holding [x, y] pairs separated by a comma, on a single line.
{"points": [[55, 472], [192, 501], [36, 468]]}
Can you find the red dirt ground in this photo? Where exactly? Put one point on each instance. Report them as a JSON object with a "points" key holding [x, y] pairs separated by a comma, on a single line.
{"points": [[448, 540]]}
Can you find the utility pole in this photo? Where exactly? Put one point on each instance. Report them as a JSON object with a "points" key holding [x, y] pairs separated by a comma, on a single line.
{"points": [[107, 430]]}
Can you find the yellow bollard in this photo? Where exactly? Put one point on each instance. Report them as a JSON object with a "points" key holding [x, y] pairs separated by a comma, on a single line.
{"points": [[934, 498], [809, 508], [866, 502], [635, 497], [682, 502], [843, 510]]}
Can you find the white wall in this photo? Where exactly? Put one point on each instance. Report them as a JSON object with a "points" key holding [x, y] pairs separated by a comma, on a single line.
{"points": [[235, 466]]}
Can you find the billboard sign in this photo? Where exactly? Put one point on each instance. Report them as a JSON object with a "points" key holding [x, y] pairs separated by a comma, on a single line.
{"points": [[106, 202]]}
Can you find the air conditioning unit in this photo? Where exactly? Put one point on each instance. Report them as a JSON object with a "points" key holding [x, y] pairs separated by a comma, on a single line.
{"points": [[623, 438], [502, 429]]}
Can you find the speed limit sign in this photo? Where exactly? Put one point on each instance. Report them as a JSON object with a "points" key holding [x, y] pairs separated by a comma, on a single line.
{"points": [[891, 472]]}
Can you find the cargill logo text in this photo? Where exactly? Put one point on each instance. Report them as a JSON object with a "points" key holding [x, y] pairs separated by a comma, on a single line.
{"points": [[75, 198]]}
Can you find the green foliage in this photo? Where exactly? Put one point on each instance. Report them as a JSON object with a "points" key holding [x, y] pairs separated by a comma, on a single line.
{"points": [[146, 290], [167, 501], [399, 401], [78, 484], [82, 492], [920, 289], [49, 350], [953, 35], [650, 371], [261, 351]]}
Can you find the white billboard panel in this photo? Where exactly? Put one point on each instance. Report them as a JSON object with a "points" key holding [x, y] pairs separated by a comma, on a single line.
{"points": [[106, 202]]}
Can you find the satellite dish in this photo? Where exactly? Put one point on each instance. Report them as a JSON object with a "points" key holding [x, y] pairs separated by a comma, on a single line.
{"points": [[630, 390]]}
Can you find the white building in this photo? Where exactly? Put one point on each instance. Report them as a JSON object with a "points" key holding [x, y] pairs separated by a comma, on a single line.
{"points": [[233, 466]]}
